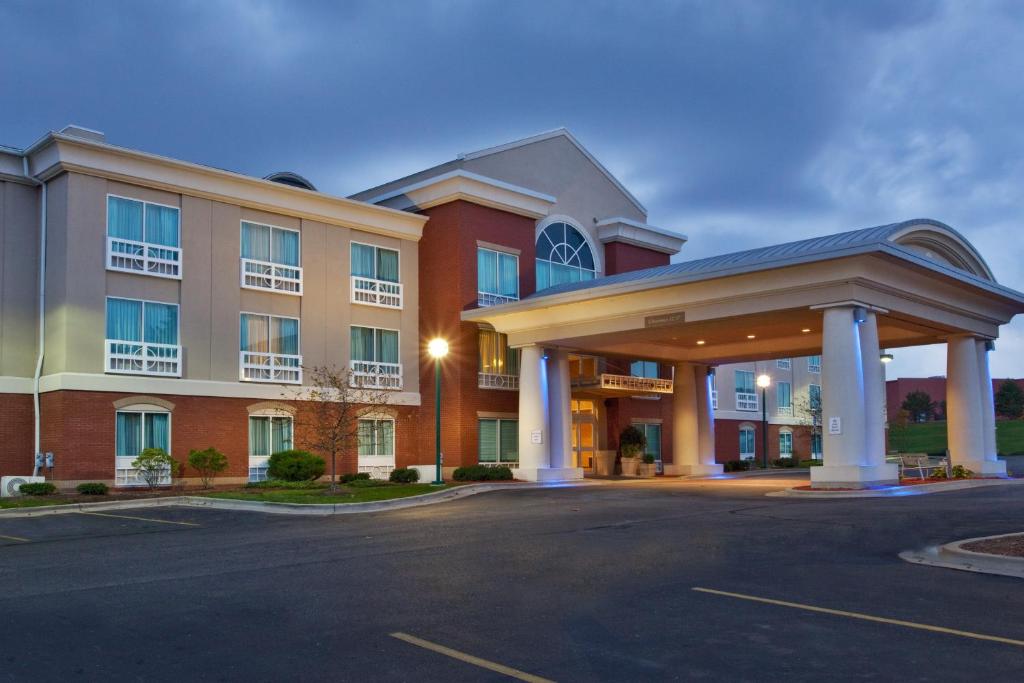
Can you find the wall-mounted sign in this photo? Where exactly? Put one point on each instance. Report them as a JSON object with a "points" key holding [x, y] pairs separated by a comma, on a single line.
{"points": [[665, 319], [835, 425], [537, 436]]}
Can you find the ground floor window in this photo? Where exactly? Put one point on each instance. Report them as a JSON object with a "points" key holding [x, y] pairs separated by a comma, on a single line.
{"points": [[747, 443], [268, 434], [653, 434], [816, 446], [498, 440], [135, 431], [377, 446], [785, 444]]}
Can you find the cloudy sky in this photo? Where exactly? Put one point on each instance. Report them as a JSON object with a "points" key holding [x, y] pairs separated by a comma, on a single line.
{"points": [[738, 123]]}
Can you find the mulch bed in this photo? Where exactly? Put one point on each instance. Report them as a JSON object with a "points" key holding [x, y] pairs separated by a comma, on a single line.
{"points": [[1010, 546]]}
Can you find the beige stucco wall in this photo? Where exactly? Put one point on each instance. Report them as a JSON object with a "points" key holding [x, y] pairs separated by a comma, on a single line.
{"points": [[209, 295], [19, 258]]}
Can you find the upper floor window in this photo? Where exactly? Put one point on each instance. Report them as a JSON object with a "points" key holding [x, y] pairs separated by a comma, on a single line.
{"points": [[374, 356], [142, 338], [814, 364], [271, 258], [269, 349], [814, 397], [644, 368], [497, 277], [375, 276], [143, 237], [499, 364], [746, 396], [784, 398], [563, 255], [783, 364]]}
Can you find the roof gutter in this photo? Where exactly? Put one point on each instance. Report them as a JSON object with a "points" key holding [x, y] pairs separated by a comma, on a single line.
{"points": [[36, 412]]}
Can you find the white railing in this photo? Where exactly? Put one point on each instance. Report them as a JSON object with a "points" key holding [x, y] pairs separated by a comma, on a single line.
{"points": [[489, 380], [377, 471], [784, 364], [141, 358], [281, 368], [366, 290], [814, 365], [745, 401], [786, 411], [373, 375], [630, 383], [271, 276], [714, 399], [489, 299], [258, 472], [129, 476], [130, 256]]}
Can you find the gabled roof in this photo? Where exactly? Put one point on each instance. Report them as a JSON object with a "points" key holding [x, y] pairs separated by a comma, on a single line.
{"points": [[895, 239]]}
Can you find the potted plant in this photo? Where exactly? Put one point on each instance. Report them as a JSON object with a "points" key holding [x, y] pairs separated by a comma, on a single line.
{"points": [[647, 466], [632, 443]]}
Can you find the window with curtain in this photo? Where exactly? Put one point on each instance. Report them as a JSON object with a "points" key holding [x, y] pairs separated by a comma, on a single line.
{"points": [[269, 434], [747, 443], [139, 430], [814, 396], [376, 437], [814, 364], [132, 219], [376, 263], [497, 273], [744, 382], [785, 444], [270, 244], [653, 434], [131, 320], [563, 255], [644, 368], [784, 396], [374, 345], [496, 358], [269, 334], [498, 440], [816, 446], [783, 364]]}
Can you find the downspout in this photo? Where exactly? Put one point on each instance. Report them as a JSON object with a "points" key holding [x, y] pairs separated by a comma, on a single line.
{"points": [[42, 311]]}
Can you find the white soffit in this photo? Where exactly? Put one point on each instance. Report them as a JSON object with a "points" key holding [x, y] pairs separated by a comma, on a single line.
{"points": [[471, 187], [639, 234]]}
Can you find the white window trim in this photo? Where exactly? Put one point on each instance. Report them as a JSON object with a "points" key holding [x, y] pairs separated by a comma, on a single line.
{"points": [[273, 264], [784, 363], [124, 473], [562, 218], [145, 244], [258, 464], [394, 433], [815, 369], [369, 372], [497, 445], [493, 298], [372, 291], [786, 411], [272, 356], [782, 432], [109, 356], [752, 455]]}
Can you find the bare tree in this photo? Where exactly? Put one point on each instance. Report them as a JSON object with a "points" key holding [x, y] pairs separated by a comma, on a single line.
{"points": [[807, 412], [331, 405]]}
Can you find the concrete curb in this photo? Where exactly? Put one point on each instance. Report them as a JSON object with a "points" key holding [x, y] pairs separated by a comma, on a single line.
{"points": [[953, 556], [431, 498], [895, 491]]}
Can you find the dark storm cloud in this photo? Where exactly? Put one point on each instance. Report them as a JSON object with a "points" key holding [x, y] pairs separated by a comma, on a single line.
{"points": [[740, 123]]}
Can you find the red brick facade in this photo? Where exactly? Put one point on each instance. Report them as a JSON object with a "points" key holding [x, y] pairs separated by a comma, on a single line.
{"points": [[896, 391], [727, 440], [620, 257], [16, 434]]}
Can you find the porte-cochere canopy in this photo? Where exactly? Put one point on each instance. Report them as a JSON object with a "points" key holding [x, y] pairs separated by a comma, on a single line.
{"points": [[842, 296]]}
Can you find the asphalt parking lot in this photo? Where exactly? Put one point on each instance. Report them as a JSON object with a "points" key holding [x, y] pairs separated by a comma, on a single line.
{"points": [[619, 583]]}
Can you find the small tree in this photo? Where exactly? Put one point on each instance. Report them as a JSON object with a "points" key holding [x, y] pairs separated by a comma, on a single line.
{"points": [[1009, 400], [332, 404], [208, 463], [632, 442], [807, 413], [153, 465], [920, 406]]}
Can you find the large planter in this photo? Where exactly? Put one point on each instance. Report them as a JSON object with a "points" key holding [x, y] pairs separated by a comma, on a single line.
{"points": [[604, 463], [648, 469], [629, 466]]}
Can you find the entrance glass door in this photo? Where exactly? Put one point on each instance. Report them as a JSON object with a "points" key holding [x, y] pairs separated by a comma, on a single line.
{"points": [[584, 433]]}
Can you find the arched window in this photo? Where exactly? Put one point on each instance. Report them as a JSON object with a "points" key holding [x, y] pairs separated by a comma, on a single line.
{"points": [[563, 255], [747, 451], [140, 422]]}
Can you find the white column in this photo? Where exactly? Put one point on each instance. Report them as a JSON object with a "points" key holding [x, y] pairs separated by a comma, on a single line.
{"points": [[965, 422], [686, 451], [560, 418], [874, 392], [844, 422], [533, 414], [705, 421], [988, 406]]}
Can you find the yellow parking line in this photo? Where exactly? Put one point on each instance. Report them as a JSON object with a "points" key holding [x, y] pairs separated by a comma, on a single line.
{"points": [[141, 519], [15, 538], [867, 617], [470, 659]]}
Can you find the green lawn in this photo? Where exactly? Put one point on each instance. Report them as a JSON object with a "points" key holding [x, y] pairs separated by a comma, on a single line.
{"points": [[321, 496], [36, 501], [930, 437]]}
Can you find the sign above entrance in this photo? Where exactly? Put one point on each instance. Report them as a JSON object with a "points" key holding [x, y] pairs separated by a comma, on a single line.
{"points": [[665, 319]]}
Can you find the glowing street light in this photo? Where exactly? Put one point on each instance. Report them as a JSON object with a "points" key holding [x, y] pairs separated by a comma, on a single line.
{"points": [[764, 381], [438, 349]]}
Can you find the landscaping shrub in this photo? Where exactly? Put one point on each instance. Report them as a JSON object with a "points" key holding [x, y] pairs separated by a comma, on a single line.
{"points": [[295, 465], [632, 442], [92, 488], [961, 472], [810, 463], [354, 476], [42, 488], [368, 483], [208, 463], [153, 465], [737, 465], [482, 473], [404, 475], [784, 462]]}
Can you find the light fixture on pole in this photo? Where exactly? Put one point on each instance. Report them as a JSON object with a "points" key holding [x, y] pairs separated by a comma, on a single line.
{"points": [[764, 381], [438, 349]]}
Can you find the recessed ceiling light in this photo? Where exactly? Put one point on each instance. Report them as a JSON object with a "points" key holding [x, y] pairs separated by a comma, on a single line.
{"points": [[751, 336], [700, 342], [806, 330]]}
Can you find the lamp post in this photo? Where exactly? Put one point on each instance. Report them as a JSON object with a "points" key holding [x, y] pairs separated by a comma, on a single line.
{"points": [[764, 381], [438, 349]]}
